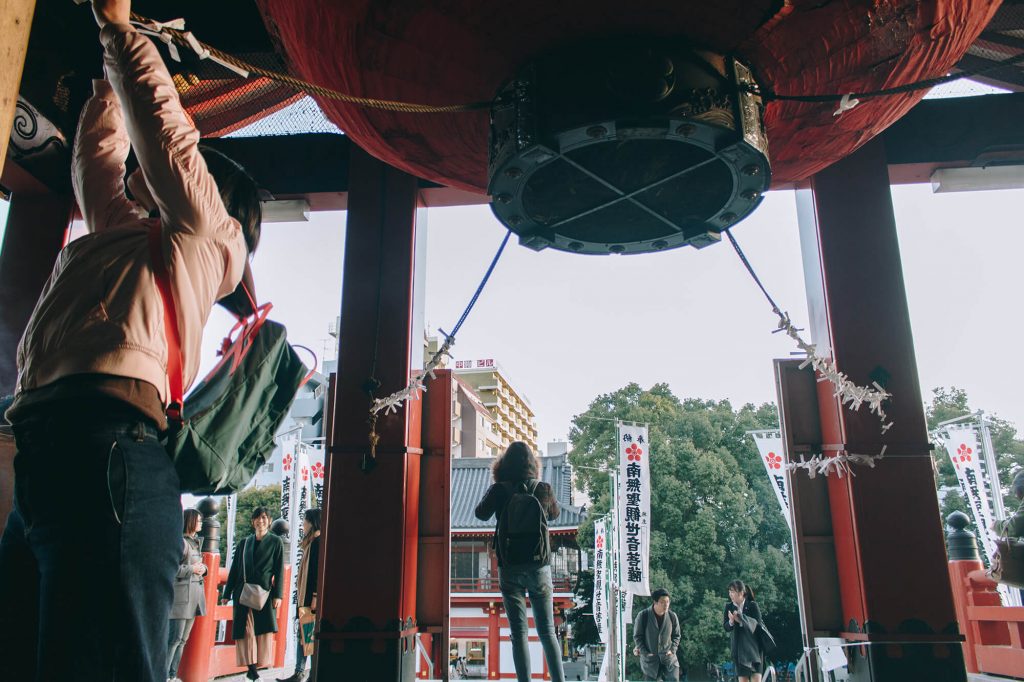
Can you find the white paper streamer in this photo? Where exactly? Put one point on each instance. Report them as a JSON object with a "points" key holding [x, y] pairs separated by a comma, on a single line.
{"points": [[391, 403]]}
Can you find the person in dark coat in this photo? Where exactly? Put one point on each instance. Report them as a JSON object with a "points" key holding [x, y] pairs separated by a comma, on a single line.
{"points": [[517, 471], [656, 638], [258, 559], [742, 616], [189, 597], [306, 585]]}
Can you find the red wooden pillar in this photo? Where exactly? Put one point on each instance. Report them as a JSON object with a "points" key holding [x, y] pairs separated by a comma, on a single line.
{"points": [[368, 570], [36, 225], [494, 640], [893, 579]]}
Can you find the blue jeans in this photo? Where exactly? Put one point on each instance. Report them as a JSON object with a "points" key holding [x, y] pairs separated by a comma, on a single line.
{"points": [[300, 655], [516, 582], [179, 630], [96, 535]]}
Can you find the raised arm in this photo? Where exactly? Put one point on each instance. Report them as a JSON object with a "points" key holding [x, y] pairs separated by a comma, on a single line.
{"points": [[489, 504], [163, 136], [97, 162]]}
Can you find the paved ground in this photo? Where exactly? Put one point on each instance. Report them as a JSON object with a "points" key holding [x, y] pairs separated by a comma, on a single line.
{"points": [[571, 672]]}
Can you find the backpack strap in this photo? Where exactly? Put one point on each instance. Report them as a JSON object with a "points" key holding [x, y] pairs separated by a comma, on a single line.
{"points": [[175, 366]]}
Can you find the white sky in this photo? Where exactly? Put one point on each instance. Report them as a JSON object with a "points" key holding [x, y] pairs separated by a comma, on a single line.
{"points": [[567, 328]]}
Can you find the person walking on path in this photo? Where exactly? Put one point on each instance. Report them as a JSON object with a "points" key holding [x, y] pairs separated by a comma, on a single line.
{"points": [[656, 638], [306, 585], [523, 506], [97, 499], [189, 597], [741, 619], [258, 560]]}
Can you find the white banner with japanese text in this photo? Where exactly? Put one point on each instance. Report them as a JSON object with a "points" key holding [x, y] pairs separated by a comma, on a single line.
{"points": [[600, 602], [634, 508], [769, 446], [962, 446]]}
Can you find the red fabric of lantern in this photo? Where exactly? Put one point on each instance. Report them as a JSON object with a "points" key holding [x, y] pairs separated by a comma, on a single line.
{"points": [[458, 51]]}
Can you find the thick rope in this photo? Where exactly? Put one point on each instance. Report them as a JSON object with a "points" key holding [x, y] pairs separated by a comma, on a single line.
{"points": [[186, 40]]}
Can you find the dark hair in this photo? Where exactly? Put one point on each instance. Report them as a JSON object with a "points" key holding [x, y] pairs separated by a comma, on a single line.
{"points": [[517, 464], [238, 191], [313, 516], [742, 588], [659, 593], [1018, 485], [190, 518], [258, 512]]}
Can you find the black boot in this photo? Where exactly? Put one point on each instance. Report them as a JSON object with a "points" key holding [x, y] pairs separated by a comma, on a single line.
{"points": [[252, 674], [295, 677]]}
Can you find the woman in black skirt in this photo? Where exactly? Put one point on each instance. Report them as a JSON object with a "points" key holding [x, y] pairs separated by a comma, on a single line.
{"points": [[742, 617]]}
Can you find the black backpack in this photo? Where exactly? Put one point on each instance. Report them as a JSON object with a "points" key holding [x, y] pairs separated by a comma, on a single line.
{"points": [[522, 536]]}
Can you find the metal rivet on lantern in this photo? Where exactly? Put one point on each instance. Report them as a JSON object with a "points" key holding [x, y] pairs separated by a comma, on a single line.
{"points": [[575, 246], [659, 245], [513, 172], [503, 198], [686, 129], [752, 169], [728, 217], [751, 194], [597, 131], [616, 248], [514, 219]]}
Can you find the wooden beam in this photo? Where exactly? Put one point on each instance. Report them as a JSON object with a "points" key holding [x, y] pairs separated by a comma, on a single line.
{"points": [[15, 24]]}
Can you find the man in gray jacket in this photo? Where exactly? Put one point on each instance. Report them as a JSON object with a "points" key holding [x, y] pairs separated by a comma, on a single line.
{"points": [[656, 638]]}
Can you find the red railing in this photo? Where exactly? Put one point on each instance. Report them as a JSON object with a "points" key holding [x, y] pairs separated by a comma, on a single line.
{"points": [[205, 658], [994, 634], [559, 583]]}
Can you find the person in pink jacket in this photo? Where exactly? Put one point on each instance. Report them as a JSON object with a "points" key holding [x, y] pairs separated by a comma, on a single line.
{"points": [[91, 550]]}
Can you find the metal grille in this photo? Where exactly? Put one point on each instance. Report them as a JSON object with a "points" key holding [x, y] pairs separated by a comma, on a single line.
{"points": [[222, 103]]}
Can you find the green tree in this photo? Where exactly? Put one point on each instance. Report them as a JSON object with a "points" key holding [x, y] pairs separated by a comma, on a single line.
{"points": [[581, 619], [714, 516]]}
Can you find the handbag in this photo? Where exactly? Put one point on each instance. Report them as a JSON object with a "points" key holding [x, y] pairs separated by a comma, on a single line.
{"points": [[765, 640], [253, 596], [223, 433], [307, 624]]}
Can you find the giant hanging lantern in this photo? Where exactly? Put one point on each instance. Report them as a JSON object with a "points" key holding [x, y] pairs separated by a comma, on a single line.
{"points": [[620, 127]]}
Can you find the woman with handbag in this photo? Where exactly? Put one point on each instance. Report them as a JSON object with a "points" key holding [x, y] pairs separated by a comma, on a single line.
{"points": [[742, 620], [189, 597], [255, 584], [306, 591]]}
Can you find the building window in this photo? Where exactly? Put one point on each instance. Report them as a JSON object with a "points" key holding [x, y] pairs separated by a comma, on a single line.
{"points": [[471, 567]]}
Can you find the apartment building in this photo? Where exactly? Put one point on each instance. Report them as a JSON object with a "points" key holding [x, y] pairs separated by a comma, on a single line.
{"points": [[513, 416]]}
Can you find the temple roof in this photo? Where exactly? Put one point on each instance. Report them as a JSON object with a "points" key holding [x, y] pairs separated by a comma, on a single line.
{"points": [[471, 477]]}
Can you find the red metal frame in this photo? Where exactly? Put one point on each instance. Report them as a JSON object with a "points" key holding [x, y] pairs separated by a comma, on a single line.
{"points": [[370, 548], [889, 544]]}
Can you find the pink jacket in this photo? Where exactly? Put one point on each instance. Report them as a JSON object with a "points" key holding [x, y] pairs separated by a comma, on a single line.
{"points": [[100, 311]]}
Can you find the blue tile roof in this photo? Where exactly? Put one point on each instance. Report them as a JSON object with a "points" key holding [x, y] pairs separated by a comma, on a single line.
{"points": [[471, 477]]}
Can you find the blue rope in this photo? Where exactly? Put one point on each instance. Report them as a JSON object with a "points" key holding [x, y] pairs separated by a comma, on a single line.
{"points": [[472, 302]]}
